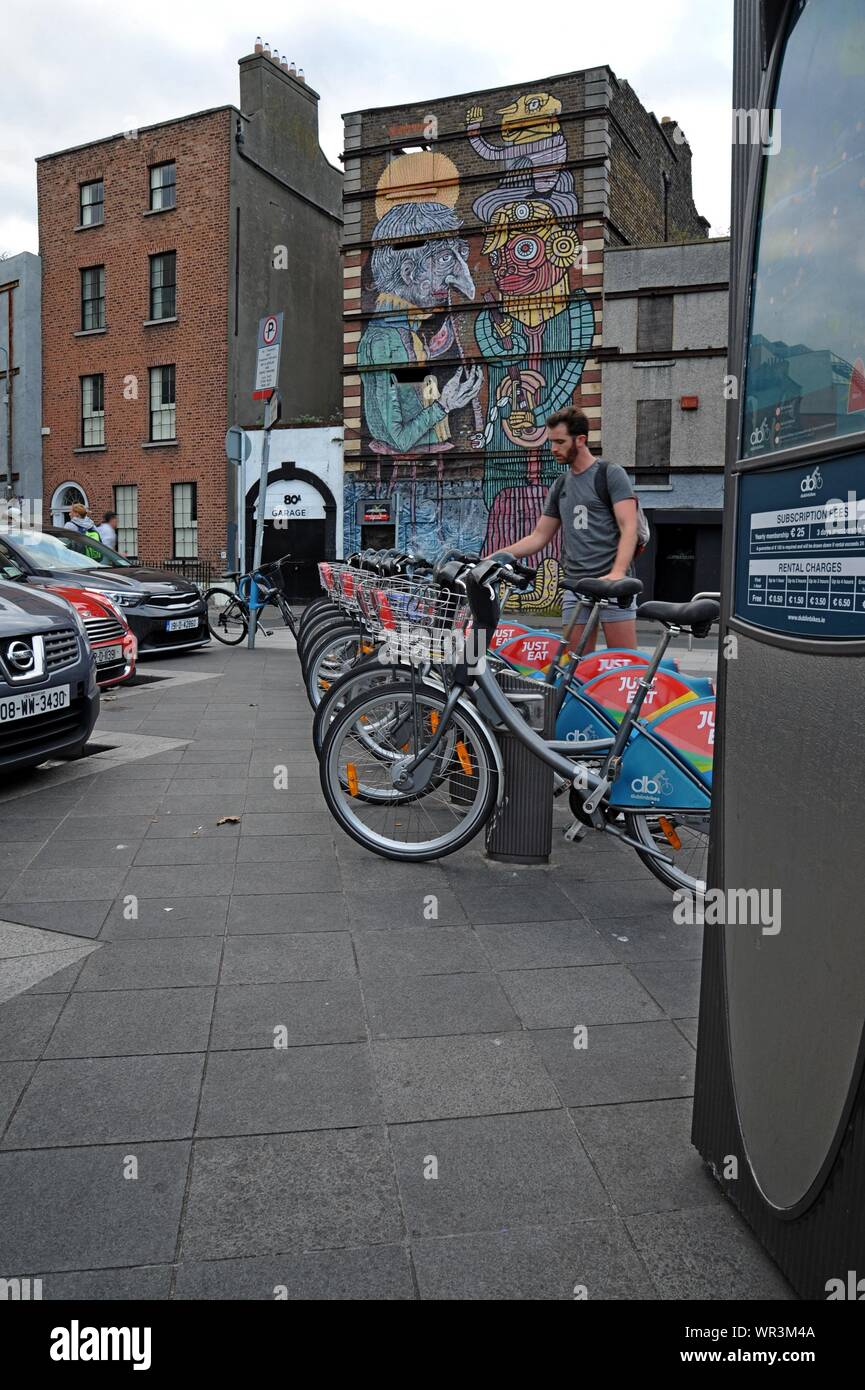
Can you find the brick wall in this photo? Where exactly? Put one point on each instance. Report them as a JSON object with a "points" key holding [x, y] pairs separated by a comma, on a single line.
{"points": [[197, 230], [642, 151]]}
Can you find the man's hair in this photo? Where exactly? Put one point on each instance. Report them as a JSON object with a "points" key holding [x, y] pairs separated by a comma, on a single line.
{"points": [[573, 419], [109, 516]]}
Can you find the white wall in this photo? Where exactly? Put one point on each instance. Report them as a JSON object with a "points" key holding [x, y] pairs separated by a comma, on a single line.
{"points": [[317, 450]]}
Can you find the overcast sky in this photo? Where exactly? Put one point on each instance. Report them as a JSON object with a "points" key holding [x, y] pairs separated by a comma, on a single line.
{"points": [[79, 70]]}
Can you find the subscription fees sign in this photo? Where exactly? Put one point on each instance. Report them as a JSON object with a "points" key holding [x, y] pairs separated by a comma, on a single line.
{"points": [[800, 565]]}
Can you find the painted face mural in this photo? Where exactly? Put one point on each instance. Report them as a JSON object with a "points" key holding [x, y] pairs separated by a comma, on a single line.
{"points": [[475, 330]]}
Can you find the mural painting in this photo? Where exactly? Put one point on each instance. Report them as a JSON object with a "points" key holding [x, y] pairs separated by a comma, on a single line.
{"points": [[457, 381]]}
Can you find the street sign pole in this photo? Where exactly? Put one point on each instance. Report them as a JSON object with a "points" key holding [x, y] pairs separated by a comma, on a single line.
{"points": [[272, 412]]}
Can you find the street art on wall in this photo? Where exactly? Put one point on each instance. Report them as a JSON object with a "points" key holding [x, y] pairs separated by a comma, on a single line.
{"points": [[453, 374]]}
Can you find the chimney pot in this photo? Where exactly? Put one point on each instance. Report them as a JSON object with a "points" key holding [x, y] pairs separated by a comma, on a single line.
{"points": [[300, 76], [259, 46], [292, 69], [283, 64], [266, 49], [274, 57]]}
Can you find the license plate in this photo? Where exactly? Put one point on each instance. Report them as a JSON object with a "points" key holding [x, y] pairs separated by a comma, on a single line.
{"points": [[105, 656], [181, 624], [39, 702]]}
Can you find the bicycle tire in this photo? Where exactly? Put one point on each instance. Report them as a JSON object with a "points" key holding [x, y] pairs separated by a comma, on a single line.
{"points": [[639, 827], [478, 749], [310, 611], [234, 609], [317, 630], [341, 647], [350, 685]]}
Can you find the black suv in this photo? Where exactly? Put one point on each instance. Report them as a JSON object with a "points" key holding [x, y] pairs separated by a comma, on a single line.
{"points": [[166, 613], [49, 699]]}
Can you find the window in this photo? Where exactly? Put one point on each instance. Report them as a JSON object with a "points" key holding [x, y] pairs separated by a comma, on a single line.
{"points": [[805, 367], [162, 186], [163, 286], [126, 507], [91, 204], [92, 411], [655, 323], [162, 404], [184, 498], [93, 297], [652, 454]]}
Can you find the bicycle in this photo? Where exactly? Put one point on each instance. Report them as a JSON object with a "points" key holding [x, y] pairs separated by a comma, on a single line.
{"points": [[230, 623], [412, 770]]}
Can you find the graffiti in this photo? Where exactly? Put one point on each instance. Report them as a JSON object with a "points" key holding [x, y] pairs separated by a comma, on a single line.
{"points": [[476, 330]]}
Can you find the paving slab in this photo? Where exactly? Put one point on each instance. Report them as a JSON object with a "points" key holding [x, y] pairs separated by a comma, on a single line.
{"points": [[444, 1078], [275, 1090], [365, 1273], [288, 1014]]}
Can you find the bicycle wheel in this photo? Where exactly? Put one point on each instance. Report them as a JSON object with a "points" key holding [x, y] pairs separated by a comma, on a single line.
{"points": [[683, 839], [330, 658], [452, 793], [226, 621], [311, 610], [368, 672], [318, 629]]}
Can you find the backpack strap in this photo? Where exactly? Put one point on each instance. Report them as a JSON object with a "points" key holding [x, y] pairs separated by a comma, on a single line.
{"points": [[602, 486]]}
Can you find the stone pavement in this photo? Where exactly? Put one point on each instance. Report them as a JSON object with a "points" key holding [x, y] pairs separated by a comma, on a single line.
{"points": [[427, 1130]]}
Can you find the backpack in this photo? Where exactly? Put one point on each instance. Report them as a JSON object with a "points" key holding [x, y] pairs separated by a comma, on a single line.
{"points": [[602, 488]]}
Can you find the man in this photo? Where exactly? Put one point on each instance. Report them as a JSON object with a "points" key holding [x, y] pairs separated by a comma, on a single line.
{"points": [[108, 530], [598, 540]]}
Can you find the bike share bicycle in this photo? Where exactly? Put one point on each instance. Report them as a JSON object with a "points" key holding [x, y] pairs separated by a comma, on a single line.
{"points": [[412, 770]]}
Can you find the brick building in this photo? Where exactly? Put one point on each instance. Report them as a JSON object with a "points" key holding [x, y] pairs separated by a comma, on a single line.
{"points": [[161, 249], [473, 271]]}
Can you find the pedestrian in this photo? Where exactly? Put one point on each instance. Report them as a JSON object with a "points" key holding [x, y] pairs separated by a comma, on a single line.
{"points": [[108, 530], [594, 505], [82, 523]]}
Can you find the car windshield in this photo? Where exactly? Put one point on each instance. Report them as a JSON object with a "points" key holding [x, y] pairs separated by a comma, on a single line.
{"points": [[73, 540], [49, 553]]}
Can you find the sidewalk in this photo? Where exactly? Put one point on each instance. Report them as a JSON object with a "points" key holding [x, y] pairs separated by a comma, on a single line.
{"points": [[428, 1128]]}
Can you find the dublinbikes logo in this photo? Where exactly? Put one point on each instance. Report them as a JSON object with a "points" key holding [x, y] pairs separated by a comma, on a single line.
{"points": [[811, 483], [659, 785]]}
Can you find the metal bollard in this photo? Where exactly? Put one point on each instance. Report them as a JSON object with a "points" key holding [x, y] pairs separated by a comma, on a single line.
{"points": [[521, 832]]}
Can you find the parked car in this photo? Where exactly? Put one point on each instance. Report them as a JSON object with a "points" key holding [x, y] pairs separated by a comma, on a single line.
{"points": [[166, 613], [49, 699], [110, 636]]}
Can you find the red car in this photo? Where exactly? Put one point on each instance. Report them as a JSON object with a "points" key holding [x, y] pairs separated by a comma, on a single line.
{"points": [[108, 633]]}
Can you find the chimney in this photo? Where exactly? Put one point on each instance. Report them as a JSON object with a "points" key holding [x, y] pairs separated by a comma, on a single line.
{"points": [[266, 49], [292, 70], [283, 65], [259, 46], [274, 57], [300, 76]]}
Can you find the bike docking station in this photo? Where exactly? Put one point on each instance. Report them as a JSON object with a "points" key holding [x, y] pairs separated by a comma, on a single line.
{"points": [[520, 831], [779, 1102]]}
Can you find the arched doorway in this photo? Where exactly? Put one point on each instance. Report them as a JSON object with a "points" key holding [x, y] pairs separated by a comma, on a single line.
{"points": [[301, 523], [62, 500]]}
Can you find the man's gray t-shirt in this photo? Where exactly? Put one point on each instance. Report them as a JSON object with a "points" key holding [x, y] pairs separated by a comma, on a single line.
{"points": [[590, 533]]}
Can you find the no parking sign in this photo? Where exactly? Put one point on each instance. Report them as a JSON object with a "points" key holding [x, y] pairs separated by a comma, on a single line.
{"points": [[267, 358]]}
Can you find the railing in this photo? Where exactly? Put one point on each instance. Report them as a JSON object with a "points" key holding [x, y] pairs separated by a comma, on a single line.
{"points": [[199, 571]]}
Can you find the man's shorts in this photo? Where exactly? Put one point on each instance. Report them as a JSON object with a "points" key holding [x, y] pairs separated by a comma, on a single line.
{"points": [[612, 613]]}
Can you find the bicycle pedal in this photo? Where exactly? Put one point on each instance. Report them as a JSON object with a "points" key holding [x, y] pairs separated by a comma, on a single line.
{"points": [[576, 831]]}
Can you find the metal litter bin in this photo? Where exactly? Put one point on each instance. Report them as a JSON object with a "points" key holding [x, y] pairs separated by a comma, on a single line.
{"points": [[521, 830]]}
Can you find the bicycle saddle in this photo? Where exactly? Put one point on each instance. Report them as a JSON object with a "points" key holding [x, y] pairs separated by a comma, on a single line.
{"points": [[231, 574], [621, 589], [697, 615]]}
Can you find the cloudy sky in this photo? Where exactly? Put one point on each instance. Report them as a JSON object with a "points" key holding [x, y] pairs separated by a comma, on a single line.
{"points": [[77, 70]]}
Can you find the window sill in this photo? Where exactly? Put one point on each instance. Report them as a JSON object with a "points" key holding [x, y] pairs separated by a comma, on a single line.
{"points": [[90, 449], [161, 444], [88, 226], [152, 323], [155, 212], [89, 332]]}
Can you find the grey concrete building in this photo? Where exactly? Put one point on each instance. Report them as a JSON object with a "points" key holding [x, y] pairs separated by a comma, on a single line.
{"points": [[664, 365], [20, 378]]}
